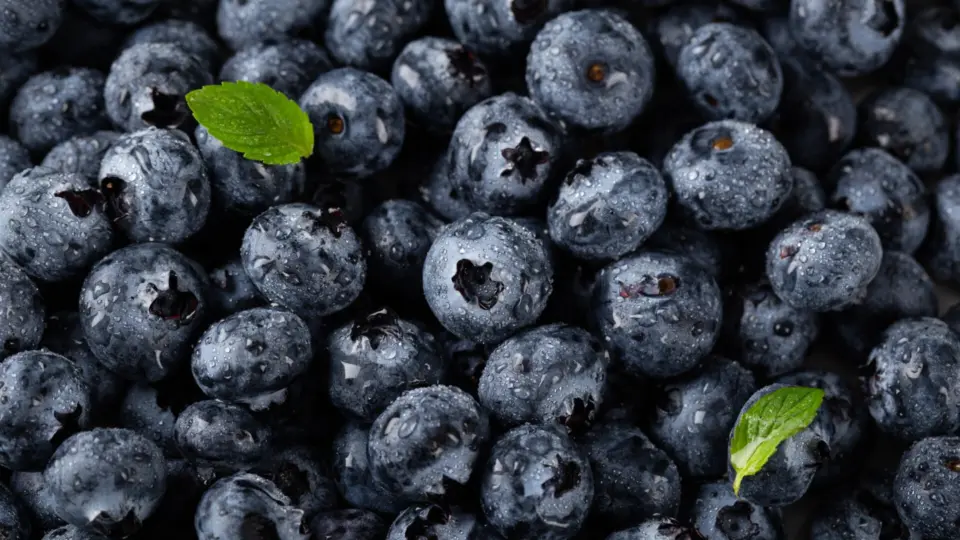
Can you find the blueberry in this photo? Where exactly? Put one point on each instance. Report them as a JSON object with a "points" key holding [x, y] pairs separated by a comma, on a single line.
{"points": [[435, 521], [30, 489], [926, 491], [368, 35], [14, 157], [351, 470], [72, 532], [231, 289], [674, 27], [298, 473], [731, 73], [824, 262], [288, 66], [629, 302], [375, 359], [155, 185], [427, 441], [146, 85], [729, 175], [502, 28], [304, 258], [140, 308], [146, 411], [904, 376], [348, 524], [850, 37], [107, 479], [28, 24], [718, 514], [357, 121], [437, 80], [64, 336], [872, 183], [53, 224], [695, 413], [560, 480], [188, 35], [658, 528], [553, 374], [81, 154], [931, 47], [119, 12], [607, 206], [21, 323], [856, 516], [695, 244], [907, 124], [940, 253], [604, 77], [633, 479], [242, 23], [215, 434], [248, 506], [14, 521], [487, 277]]}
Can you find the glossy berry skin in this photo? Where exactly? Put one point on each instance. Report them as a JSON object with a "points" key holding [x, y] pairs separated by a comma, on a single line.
{"points": [[22, 322], [351, 470], [146, 85], [369, 35], [553, 374], [304, 258], [221, 435], [349, 524], [630, 299], [607, 206], [728, 175], [940, 253], [15, 69], [52, 224], [251, 356], [81, 154], [872, 183], [247, 502], [436, 521], [427, 441], [30, 490], [931, 47], [695, 413], [504, 27], [603, 76], [697, 245], [231, 289], [657, 528], [82, 478], [29, 24], [914, 359], [537, 456], [671, 29], [925, 489], [299, 474], [907, 124], [140, 308], [14, 158], [487, 277], [633, 479], [119, 12], [437, 80], [145, 409], [72, 532], [14, 519], [288, 66], [730, 72], [859, 514], [244, 23], [824, 262], [357, 121], [502, 155], [188, 35], [718, 514]]}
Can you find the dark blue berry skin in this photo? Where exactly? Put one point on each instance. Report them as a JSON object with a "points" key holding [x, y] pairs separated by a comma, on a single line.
{"points": [[351, 470], [28, 24], [730, 72], [252, 356], [156, 186], [693, 243], [872, 183], [52, 224], [487, 277], [926, 491], [368, 35], [673, 28], [847, 36], [14, 520], [357, 121], [15, 69], [438, 193], [931, 47], [288, 66], [592, 69], [633, 479], [304, 258], [436, 521], [544, 457], [14, 157], [503, 153], [427, 442], [398, 234], [72, 532], [106, 479], [940, 253], [607, 206], [81, 154], [236, 505], [21, 324], [119, 12], [55, 105], [188, 35], [657, 528], [46, 399], [824, 262], [141, 411], [231, 289], [226, 437], [776, 30], [789, 473], [146, 85], [905, 373], [140, 308], [348, 524], [695, 413], [242, 23], [659, 313], [907, 124], [729, 175], [503, 27], [298, 473], [718, 514], [553, 374], [857, 516], [806, 197], [437, 80], [902, 289], [29, 488], [375, 359]]}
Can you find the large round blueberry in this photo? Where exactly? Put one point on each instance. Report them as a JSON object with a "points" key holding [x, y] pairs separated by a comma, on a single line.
{"points": [[502, 27], [188, 35], [907, 124], [242, 23], [28, 24], [926, 491], [244, 504], [288, 66], [220, 435], [368, 34], [719, 515], [81, 154], [23, 313]]}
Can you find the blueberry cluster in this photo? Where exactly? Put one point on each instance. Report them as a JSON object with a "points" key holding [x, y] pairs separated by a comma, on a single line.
{"points": [[543, 258]]}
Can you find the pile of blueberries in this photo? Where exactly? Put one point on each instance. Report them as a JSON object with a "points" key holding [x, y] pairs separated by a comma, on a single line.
{"points": [[544, 255]]}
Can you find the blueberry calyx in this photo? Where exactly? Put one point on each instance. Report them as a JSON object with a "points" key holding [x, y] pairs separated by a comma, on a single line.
{"points": [[83, 201], [331, 219], [527, 11], [734, 521], [112, 189], [173, 304], [376, 326], [475, 284], [524, 159], [421, 528], [651, 286], [291, 480], [580, 415], [566, 477], [584, 168], [463, 63], [884, 18], [169, 110], [954, 465]]}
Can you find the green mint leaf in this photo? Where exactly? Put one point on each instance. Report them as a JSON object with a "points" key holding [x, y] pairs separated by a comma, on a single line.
{"points": [[255, 120], [774, 418]]}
